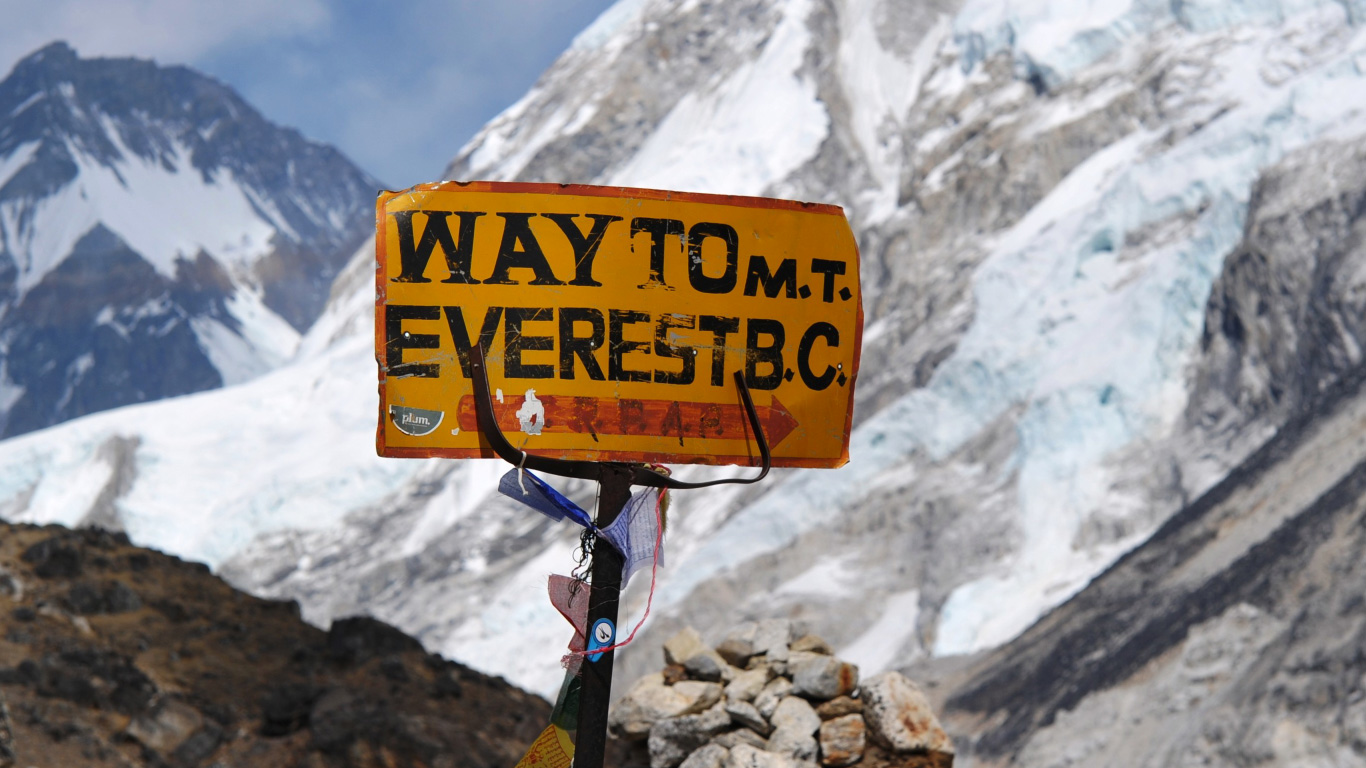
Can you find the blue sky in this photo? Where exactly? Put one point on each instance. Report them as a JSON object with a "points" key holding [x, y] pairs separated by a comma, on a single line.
{"points": [[399, 86]]}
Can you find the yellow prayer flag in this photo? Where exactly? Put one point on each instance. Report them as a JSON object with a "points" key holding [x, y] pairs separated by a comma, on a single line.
{"points": [[552, 749]]}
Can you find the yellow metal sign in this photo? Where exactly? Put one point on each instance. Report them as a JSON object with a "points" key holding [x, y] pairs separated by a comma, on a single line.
{"points": [[613, 321]]}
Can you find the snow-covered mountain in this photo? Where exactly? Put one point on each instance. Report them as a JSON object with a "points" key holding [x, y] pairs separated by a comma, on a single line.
{"points": [[1076, 325], [157, 235], [1233, 635]]}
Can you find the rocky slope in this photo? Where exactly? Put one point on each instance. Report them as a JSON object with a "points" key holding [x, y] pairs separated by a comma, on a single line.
{"points": [[115, 655], [1285, 317], [1057, 208], [157, 235], [1234, 635]]}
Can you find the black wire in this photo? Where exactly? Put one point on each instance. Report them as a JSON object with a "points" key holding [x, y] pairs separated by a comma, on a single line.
{"points": [[583, 559], [583, 556]]}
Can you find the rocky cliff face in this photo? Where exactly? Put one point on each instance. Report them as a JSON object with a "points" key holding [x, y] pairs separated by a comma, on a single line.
{"points": [[157, 235], [115, 655], [1285, 317], [1233, 635]]}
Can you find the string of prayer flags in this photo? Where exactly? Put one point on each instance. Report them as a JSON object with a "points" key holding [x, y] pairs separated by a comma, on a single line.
{"points": [[523, 486], [566, 713], [552, 749], [570, 598], [635, 532], [602, 642]]}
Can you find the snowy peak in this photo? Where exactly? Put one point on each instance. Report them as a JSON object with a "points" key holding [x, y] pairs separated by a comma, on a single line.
{"points": [[229, 230], [786, 98], [659, 79], [112, 112], [137, 122], [109, 109]]}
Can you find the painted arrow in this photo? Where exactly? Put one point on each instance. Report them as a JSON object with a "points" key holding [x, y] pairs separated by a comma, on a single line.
{"points": [[660, 418]]}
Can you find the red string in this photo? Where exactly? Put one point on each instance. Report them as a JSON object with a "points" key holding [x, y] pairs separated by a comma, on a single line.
{"points": [[654, 569]]}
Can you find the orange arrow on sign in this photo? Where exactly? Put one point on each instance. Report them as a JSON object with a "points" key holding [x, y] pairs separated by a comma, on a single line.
{"points": [[666, 418]]}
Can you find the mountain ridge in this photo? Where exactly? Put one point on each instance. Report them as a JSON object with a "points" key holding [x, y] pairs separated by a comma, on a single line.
{"points": [[243, 226], [113, 654]]}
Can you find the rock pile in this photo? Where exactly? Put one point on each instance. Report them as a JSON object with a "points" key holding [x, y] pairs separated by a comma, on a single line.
{"points": [[772, 696]]}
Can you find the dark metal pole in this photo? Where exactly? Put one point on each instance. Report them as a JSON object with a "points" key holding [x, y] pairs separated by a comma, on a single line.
{"points": [[614, 489], [591, 741]]}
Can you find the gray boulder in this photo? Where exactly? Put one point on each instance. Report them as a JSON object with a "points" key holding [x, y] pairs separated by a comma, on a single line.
{"points": [[797, 715], [775, 691], [823, 678], [732, 739], [843, 740], [899, 717], [648, 702], [709, 756], [707, 665], [738, 646], [795, 723], [671, 741], [771, 637], [685, 644], [745, 756], [747, 715], [748, 684], [699, 695]]}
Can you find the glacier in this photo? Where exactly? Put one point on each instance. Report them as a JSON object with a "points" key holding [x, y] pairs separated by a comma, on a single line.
{"points": [[1120, 325], [744, 134]]}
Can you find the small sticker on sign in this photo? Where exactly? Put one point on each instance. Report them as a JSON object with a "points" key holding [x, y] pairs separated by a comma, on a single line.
{"points": [[531, 414], [602, 635], [415, 421]]}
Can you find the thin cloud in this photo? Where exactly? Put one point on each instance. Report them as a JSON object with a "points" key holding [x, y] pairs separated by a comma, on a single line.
{"points": [[398, 86], [167, 30]]}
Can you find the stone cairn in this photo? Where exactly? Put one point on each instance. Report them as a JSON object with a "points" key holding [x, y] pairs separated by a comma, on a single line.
{"points": [[771, 696]]}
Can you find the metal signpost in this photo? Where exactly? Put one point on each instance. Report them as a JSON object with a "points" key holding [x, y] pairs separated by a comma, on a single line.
{"points": [[589, 331]]}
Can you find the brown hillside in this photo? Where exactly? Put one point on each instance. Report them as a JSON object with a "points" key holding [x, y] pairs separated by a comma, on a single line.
{"points": [[115, 655]]}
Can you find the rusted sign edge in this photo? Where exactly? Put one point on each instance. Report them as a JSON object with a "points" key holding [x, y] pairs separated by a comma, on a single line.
{"points": [[591, 190], [631, 457]]}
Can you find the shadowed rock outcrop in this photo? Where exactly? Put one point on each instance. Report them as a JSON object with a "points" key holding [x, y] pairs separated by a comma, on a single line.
{"points": [[115, 655]]}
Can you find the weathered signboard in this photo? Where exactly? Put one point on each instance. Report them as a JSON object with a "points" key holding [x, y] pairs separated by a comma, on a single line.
{"points": [[613, 321]]}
